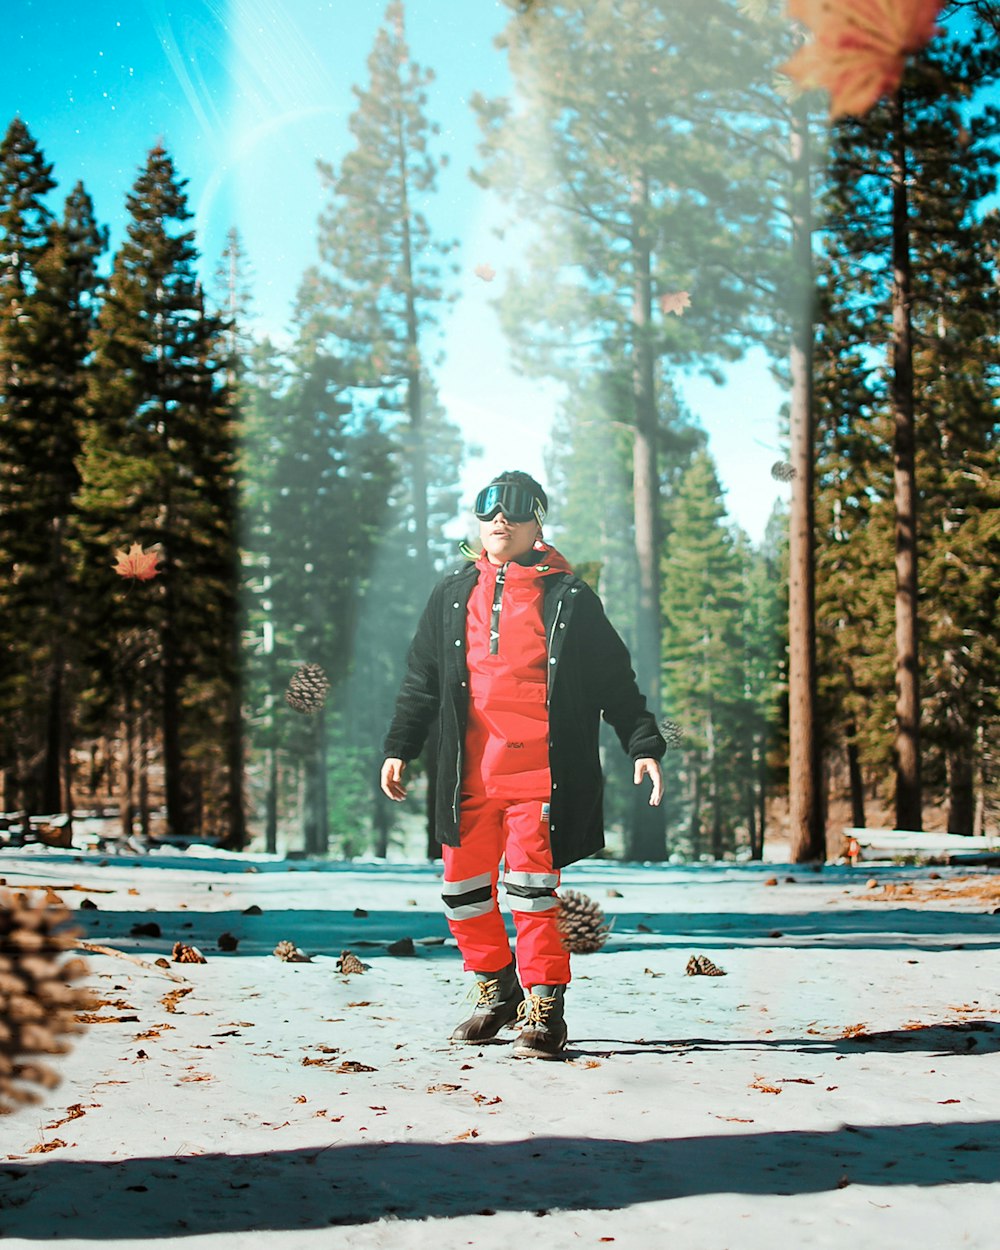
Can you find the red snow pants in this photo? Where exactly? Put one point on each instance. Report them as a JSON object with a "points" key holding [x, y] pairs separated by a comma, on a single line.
{"points": [[517, 831]]}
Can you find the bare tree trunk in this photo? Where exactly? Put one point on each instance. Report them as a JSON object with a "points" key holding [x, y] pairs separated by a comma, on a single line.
{"points": [[647, 840], [961, 798], [414, 381], [807, 832], [907, 744], [127, 811], [143, 775], [694, 829], [857, 782]]}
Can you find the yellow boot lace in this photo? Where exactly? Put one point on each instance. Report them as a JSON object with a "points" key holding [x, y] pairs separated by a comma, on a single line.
{"points": [[535, 1009]]}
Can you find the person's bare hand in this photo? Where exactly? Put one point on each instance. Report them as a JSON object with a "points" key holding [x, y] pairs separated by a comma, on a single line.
{"points": [[392, 779], [650, 768]]}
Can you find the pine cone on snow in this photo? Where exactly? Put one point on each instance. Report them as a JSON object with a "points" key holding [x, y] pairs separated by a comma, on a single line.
{"points": [[290, 953], [307, 689], [37, 1006], [183, 954], [349, 962], [582, 925], [702, 966]]}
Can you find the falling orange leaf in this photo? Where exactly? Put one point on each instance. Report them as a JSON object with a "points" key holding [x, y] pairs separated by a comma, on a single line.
{"points": [[859, 47], [486, 272], [675, 302], [137, 563]]}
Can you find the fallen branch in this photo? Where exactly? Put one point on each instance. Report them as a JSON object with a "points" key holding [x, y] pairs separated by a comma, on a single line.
{"points": [[95, 949]]}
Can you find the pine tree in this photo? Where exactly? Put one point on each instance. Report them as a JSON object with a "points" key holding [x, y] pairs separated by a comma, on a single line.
{"points": [[703, 603], [950, 158], [318, 500], [638, 170], [158, 468], [46, 311], [379, 284]]}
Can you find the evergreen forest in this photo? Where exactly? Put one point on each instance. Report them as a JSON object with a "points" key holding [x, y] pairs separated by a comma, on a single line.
{"points": [[687, 207]]}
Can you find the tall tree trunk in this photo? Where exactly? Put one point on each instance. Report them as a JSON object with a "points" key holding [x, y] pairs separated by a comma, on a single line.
{"points": [[856, 779], [907, 744], [177, 815], [235, 835], [414, 382], [961, 798], [316, 818], [143, 775], [126, 808], [807, 833], [694, 828], [51, 796], [647, 840]]}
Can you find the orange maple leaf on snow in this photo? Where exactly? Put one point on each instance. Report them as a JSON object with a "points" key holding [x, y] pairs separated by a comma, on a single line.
{"points": [[675, 302], [137, 563], [860, 47]]}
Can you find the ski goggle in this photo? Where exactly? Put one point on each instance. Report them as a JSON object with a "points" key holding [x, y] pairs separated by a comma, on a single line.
{"points": [[517, 503]]}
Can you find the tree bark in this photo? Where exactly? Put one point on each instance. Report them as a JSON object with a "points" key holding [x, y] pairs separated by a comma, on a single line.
{"points": [[961, 797], [647, 836], [857, 783], [807, 833], [907, 745]]}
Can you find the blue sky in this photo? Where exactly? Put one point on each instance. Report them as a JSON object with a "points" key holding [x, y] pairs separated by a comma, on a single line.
{"points": [[246, 95]]}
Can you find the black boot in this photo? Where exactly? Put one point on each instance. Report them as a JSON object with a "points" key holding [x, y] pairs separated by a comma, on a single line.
{"points": [[500, 996], [544, 1032]]}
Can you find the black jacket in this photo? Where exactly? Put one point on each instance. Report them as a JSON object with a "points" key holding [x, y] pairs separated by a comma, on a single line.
{"points": [[590, 673]]}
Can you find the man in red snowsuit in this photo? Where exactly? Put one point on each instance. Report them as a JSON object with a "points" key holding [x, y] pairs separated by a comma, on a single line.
{"points": [[515, 660]]}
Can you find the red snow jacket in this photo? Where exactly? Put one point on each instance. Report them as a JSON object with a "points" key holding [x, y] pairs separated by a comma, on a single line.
{"points": [[506, 752]]}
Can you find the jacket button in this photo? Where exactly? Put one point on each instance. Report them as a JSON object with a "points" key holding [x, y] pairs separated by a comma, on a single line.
{"points": [[458, 642], [465, 683], [555, 785], [562, 624], [553, 660], [456, 605]]}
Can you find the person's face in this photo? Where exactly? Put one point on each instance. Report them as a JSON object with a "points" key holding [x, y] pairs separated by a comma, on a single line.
{"points": [[505, 540]]}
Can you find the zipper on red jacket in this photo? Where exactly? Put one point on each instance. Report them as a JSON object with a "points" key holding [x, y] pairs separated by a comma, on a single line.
{"points": [[495, 613]]}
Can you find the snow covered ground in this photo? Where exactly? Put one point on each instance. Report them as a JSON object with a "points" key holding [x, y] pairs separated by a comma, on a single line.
{"points": [[840, 1086]]}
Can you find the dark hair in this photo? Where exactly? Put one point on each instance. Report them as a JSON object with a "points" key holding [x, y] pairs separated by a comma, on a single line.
{"points": [[523, 479]]}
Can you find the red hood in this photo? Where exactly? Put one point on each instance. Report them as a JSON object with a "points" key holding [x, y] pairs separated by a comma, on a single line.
{"points": [[546, 560]]}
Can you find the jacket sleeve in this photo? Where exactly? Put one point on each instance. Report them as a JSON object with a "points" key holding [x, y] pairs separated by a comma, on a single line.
{"points": [[419, 697], [622, 703]]}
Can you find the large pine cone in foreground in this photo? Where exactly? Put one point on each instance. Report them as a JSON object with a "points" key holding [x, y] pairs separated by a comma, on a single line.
{"points": [[37, 1005], [581, 922], [307, 689]]}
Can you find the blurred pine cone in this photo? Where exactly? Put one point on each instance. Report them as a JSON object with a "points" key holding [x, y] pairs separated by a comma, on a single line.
{"points": [[702, 966], [782, 471], [349, 962], [582, 925], [307, 689], [37, 1006], [183, 954], [291, 954]]}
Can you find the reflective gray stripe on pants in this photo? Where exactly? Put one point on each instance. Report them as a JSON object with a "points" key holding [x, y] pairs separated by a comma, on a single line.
{"points": [[538, 880], [470, 883], [471, 897], [540, 902]]}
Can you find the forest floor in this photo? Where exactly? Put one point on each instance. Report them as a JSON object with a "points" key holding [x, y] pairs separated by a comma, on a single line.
{"points": [[840, 1085]]}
